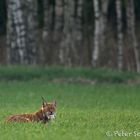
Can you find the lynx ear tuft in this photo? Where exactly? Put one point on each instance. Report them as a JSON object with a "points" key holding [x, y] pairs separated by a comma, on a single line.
{"points": [[43, 99], [54, 102], [44, 102]]}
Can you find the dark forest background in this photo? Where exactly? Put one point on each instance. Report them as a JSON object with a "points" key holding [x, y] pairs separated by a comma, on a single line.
{"points": [[95, 33]]}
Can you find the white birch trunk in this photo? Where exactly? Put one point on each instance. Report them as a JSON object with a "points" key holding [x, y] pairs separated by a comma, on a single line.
{"points": [[95, 53], [131, 30], [22, 31], [16, 32], [119, 34]]}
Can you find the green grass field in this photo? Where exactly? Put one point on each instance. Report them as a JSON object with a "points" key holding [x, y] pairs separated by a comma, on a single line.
{"points": [[100, 101]]}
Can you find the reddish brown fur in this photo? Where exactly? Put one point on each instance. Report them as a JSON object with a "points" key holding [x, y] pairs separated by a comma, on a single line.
{"points": [[39, 116]]}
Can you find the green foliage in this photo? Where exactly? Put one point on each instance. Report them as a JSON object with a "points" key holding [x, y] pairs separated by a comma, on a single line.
{"points": [[22, 73], [83, 112]]}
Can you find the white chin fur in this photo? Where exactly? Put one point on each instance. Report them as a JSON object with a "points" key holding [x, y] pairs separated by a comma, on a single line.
{"points": [[51, 117]]}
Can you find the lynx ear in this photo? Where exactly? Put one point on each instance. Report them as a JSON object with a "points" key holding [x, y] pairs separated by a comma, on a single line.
{"points": [[54, 102], [44, 101]]}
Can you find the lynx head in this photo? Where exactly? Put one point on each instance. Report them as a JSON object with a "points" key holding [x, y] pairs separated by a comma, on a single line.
{"points": [[48, 109]]}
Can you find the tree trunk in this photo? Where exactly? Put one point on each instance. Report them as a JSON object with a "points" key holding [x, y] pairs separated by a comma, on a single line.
{"points": [[32, 39], [59, 15], [16, 32], [59, 25], [47, 30], [21, 31], [103, 21], [67, 41], [77, 30], [46, 7], [119, 34], [131, 31], [95, 52]]}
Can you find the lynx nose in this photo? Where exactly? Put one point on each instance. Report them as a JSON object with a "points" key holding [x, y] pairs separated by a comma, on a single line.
{"points": [[51, 113]]}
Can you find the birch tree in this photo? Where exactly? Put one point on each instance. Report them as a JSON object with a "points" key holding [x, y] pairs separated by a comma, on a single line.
{"points": [[16, 32], [21, 31], [95, 52], [119, 33], [131, 31]]}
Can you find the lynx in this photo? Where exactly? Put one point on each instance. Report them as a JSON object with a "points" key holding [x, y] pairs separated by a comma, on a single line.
{"points": [[45, 114]]}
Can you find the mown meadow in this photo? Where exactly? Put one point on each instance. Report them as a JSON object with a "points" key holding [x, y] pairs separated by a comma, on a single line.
{"points": [[91, 104]]}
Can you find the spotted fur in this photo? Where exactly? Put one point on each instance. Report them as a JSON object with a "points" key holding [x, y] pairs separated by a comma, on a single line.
{"points": [[46, 113]]}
